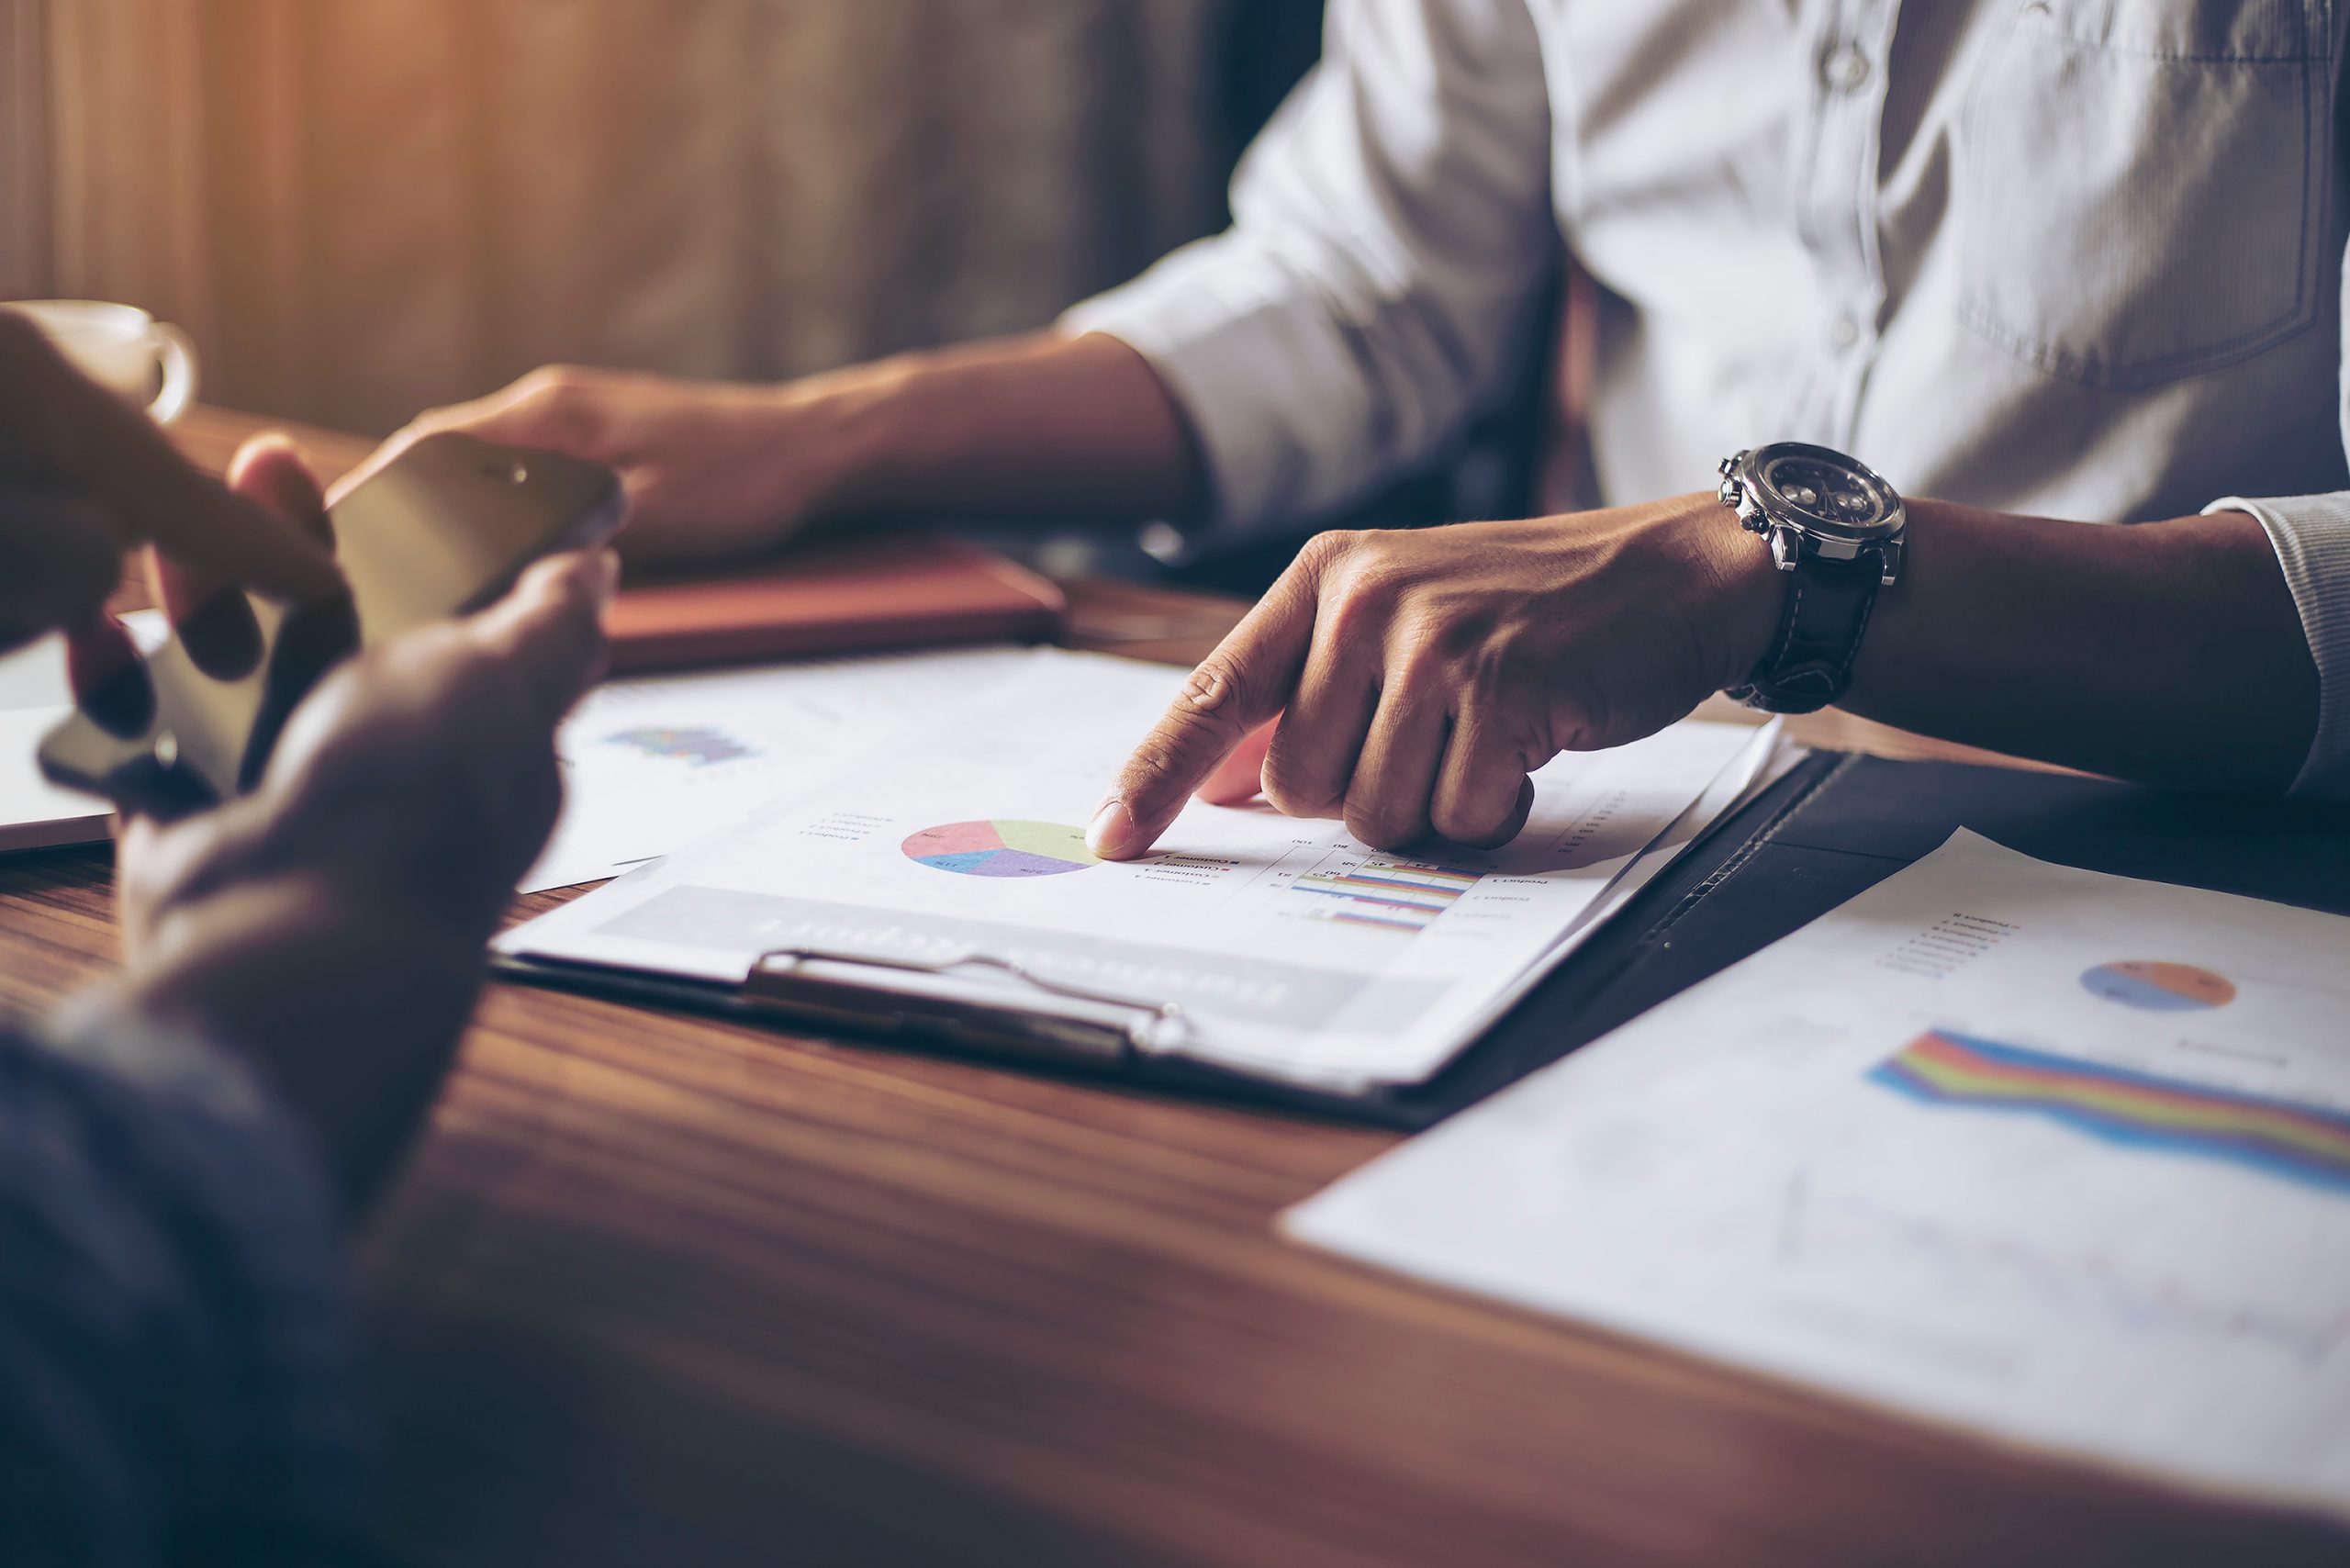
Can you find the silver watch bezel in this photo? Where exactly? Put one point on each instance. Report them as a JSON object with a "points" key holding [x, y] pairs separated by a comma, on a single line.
{"points": [[1796, 535]]}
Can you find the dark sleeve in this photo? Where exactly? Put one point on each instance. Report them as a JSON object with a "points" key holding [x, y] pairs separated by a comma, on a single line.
{"points": [[176, 1382]]}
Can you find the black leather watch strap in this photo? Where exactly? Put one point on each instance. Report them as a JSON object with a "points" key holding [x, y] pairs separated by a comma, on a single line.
{"points": [[1809, 662]]}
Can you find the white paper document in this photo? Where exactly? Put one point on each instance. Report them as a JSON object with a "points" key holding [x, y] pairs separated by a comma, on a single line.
{"points": [[1290, 950], [652, 764], [34, 699], [2060, 1157]]}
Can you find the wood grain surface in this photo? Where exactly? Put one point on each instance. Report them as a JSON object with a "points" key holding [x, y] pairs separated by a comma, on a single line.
{"points": [[661, 1290]]}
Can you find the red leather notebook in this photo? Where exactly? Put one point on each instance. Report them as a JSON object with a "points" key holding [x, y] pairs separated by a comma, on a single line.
{"points": [[840, 596]]}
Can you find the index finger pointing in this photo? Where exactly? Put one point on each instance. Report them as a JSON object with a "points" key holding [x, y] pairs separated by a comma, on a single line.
{"points": [[63, 428], [197, 521], [1240, 777], [1236, 689]]}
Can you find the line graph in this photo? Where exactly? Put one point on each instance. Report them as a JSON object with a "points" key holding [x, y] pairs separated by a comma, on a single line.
{"points": [[1820, 1229]]}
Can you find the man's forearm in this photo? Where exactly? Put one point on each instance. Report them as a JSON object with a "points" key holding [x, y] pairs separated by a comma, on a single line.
{"points": [[2169, 652], [1042, 426]]}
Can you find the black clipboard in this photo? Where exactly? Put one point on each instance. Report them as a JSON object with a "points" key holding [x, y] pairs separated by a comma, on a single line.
{"points": [[1835, 826]]}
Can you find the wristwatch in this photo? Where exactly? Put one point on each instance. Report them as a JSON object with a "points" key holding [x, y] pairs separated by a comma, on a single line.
{"points": [[1835, 529]]}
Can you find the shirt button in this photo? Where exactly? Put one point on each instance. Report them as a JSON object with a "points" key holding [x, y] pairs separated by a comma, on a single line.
{"points": [[1843, 331], [1846, 69]]}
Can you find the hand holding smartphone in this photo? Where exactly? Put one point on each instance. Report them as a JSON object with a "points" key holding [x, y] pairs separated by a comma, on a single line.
{"points": [[442, 529]]}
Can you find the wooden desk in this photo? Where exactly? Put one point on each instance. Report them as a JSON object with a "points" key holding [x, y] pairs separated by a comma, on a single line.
{"points": [[659, 1290]]}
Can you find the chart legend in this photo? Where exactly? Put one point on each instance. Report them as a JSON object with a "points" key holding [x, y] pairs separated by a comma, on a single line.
{"points": [[1000, 849], [1398, 895], [2309, 1143]]}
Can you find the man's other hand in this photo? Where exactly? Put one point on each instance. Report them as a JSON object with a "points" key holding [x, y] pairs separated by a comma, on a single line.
{"points": [[1419, 677], [711, 470]]}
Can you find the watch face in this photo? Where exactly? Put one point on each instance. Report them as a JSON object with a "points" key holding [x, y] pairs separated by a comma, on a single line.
{"points": [[1826, 492]]}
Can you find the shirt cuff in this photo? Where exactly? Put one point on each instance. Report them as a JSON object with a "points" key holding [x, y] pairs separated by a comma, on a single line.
{"points": [[2311, 537], [1246, 361]]}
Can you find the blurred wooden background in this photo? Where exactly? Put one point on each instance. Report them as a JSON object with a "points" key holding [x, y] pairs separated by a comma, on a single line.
{"points": [[367, 207]]}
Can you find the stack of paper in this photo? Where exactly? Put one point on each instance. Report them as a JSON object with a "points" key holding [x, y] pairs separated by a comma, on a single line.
{"points": [[2060, 1155], [34, 699], [651, 765], [1288, 949]]}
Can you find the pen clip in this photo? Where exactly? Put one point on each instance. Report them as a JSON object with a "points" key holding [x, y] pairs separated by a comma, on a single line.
{"points": [[1158, 1025]]}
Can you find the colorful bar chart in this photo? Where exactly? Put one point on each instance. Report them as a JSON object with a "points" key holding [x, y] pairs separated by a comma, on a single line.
{"points": [[694, 745], [2308, 1144], [1398, 895]]}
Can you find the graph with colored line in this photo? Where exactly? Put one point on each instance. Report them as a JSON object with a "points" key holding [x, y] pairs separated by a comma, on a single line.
{"points": [[2307, 1144], [1390, 894], [1000, 848], [2107, 1283]]}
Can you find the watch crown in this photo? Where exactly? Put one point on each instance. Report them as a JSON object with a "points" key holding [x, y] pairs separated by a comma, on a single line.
{"points": [[1787, 547], [1733, 494]]}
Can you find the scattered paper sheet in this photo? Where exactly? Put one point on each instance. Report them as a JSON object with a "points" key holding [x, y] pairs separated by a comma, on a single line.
{"points": [[651, 765], [2058, 1156], [34, 699], [1292, 951]]}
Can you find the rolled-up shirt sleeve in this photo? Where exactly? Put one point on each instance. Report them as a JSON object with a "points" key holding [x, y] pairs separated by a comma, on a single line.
{"points": [[2311, 537], [1390, 232], [176, 1383]]}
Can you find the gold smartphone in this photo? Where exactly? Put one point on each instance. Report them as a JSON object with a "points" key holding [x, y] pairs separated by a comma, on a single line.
{"points": [[441, 529]]}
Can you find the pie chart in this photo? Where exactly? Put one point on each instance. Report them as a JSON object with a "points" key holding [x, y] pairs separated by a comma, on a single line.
{"points": [[1000, 849], [2158, 986]]}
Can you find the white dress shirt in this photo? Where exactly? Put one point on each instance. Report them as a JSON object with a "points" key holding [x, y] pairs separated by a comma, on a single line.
{"points": [[2073, 258]]}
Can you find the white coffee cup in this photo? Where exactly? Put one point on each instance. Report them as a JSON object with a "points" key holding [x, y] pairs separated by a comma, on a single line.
{"points": [[148, 364]]}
